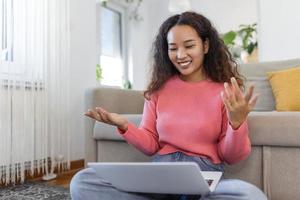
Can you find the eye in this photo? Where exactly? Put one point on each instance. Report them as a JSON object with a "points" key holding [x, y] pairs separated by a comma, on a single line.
{"points": [[172, 49], [190, 46]]}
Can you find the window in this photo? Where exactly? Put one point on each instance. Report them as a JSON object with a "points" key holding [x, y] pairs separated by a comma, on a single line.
{"points": [[112, 44], [6, 31], [23, 27]]}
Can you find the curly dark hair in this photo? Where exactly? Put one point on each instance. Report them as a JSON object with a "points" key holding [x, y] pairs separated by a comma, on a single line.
{"points": [[218, 63]]}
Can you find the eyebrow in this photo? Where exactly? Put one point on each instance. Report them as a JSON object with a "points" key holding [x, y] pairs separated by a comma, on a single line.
{"points": [[186, 41]]}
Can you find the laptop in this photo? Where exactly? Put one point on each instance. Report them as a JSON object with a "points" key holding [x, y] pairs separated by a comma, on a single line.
{"points": [[157, 177]]}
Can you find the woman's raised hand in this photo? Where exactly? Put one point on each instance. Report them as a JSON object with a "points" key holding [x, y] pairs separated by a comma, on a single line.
{"points": [[237, 104], [102, 115]]}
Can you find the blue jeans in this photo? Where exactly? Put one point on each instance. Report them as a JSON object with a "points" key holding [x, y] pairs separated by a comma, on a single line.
{"points": [[86, 185]]}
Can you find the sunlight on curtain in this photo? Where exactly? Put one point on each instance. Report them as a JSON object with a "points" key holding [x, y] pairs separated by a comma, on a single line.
{"points": [[34, 88]]}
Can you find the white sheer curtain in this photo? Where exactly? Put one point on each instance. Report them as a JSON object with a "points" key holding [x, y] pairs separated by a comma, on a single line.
{"points": [[34, 88]]}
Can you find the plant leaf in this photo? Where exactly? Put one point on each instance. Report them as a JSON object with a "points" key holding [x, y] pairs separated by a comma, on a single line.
{"points": [[229, 38]]}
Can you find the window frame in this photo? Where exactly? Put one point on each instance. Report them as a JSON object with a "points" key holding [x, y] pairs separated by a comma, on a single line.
{"points": [[7, 33], [123, 10], [12, 69]]}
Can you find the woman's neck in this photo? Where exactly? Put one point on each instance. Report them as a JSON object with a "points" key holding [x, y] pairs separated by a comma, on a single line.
{"points": [[193, 77]]}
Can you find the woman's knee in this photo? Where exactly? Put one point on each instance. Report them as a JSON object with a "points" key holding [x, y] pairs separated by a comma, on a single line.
{"points": [[78, 181], [244, 189], [241, 189]]}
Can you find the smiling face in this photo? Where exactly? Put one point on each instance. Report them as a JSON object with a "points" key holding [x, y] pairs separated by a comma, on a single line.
{"points": [[186, 51]]}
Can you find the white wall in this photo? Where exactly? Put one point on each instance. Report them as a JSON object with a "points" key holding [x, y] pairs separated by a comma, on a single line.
{"points": [[225, 15], [139, 48], [83, 62], [228, 14], [279, 30]]}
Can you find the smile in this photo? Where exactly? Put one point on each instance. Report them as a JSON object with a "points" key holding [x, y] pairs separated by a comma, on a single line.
{"points": [[185, 63]]}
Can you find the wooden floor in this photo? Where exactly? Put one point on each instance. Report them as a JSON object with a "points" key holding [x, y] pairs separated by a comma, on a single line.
{"points": [[62, 179]]}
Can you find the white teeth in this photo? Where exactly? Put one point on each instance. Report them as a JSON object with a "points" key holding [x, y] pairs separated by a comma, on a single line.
{"points": [[185, 63]]}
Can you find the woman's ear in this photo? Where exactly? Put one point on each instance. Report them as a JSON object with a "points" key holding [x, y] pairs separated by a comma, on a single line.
{"points": [[206, 45]]}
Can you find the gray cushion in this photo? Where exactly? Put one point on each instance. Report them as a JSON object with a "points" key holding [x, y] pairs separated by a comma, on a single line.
{"points": [[261, 69], [104, 131], [265, 101], [274, 128], [267, 128]]}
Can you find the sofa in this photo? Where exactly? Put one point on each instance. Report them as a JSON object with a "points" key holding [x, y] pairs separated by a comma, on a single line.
{"points": [[273, 164]]}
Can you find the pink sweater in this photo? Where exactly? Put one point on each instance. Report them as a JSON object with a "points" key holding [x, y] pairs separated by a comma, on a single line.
{"points": [[190, 118]]}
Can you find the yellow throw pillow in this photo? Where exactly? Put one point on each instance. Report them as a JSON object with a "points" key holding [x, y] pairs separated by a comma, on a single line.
{"points": [[286, 88]]}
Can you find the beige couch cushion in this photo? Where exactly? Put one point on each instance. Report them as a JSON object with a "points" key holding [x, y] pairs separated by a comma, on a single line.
{"points": [[266, 128], [261, 69], [265, 101], [274, 128]]}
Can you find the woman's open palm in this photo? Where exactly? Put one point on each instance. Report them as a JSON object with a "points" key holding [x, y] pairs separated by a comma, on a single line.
{"points": [[104, 116], [237, 104]]}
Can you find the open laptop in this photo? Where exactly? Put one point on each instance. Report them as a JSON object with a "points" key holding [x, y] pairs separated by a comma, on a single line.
{"points": [[157, 177]]}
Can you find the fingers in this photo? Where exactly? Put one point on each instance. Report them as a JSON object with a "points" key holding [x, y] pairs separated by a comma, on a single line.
{"points": [[233, 96], [229, 94], [93, 114], [249, 93], [236, 92], [236, 88], [226, 101], [98, 114], [103, 114], [253, 101]]}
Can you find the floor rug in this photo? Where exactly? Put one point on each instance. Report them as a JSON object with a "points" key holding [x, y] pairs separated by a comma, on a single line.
{"points": [[33, 191]]}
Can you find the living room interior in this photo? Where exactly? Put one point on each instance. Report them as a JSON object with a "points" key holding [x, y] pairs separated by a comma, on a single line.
{"points": [[97, 52]]}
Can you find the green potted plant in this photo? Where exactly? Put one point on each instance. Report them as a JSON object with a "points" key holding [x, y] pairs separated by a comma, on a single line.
{"points": [[127, 85], [99, 76], [242, 42]]}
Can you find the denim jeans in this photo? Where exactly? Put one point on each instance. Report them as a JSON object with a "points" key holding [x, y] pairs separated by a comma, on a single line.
{"points": [[87, 185], [203, 163]]}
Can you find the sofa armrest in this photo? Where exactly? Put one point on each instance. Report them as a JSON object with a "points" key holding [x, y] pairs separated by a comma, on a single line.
{"points": [[114, 100], [274, 128]]}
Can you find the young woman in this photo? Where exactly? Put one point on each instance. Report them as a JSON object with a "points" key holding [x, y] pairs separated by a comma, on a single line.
{"points": [[195, 110]]}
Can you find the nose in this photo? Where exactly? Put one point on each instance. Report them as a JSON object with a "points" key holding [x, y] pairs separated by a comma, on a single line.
{"points": [[181, 53]]}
